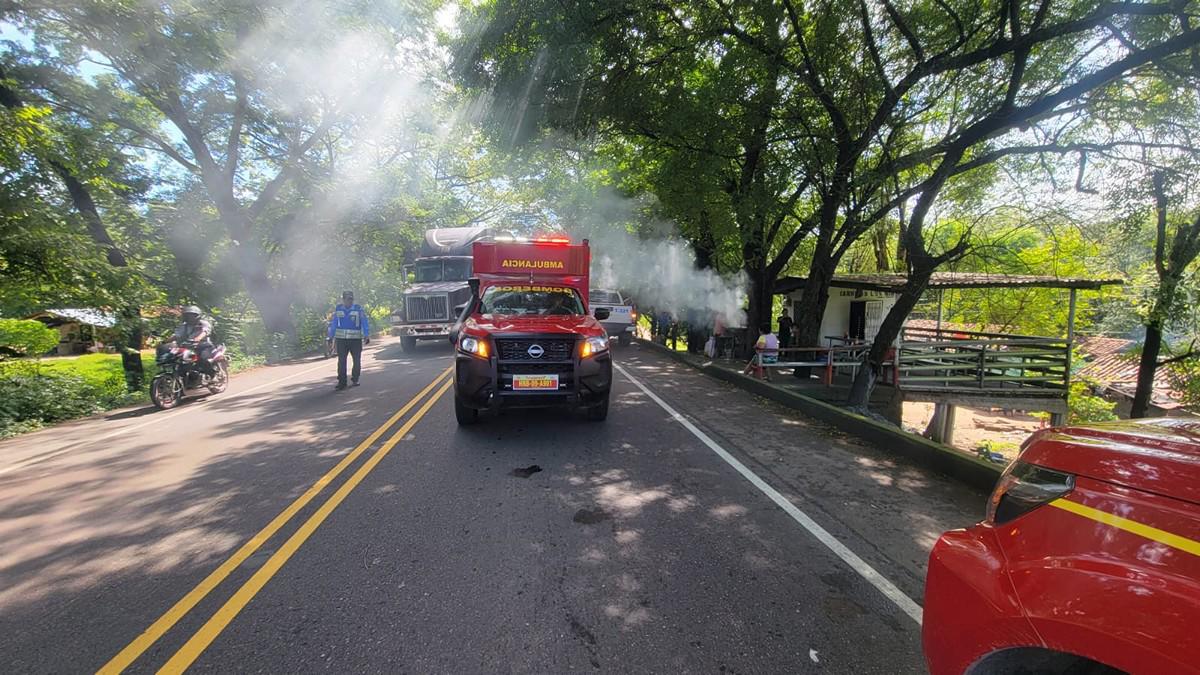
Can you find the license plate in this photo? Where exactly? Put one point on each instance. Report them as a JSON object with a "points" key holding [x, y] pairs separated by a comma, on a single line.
{"points": [[535, 382]]}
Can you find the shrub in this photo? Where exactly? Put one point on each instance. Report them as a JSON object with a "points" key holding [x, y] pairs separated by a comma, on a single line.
{"points": [[1086, 407], [27, 337], [32, 396]]}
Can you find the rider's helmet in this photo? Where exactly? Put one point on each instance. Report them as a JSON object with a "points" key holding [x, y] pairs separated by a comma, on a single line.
{"points": [[191, 314]]}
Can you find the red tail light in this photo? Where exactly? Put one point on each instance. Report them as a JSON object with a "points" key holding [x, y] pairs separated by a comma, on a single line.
{"points": [[1024, 487]]}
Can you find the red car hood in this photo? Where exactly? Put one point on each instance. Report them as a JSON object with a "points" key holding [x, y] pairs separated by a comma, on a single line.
{"points": [[574, 324], [1159, 455]]}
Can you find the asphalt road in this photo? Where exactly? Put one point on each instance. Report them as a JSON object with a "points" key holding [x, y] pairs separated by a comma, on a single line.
{"points": [[286, 527]]}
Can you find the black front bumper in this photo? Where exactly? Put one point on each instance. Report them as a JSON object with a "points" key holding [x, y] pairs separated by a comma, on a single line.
{"points": [[486, 384]]}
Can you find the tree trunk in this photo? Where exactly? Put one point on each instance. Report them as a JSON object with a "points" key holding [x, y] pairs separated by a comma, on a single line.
{"points": [[889, 330], [274, 302], [758, 310], [131, 352], [879, 241], [1146, 370], [810, 309]]}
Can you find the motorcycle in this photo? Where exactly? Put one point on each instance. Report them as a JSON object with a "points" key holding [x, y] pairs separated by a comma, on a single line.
{"points": [[179, 369]]}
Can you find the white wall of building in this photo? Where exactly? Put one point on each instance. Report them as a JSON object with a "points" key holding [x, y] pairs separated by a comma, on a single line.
{"points": [[836, 321]]}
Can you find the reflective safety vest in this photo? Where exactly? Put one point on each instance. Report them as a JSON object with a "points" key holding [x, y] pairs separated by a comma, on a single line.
{"points": [[349, 323]]}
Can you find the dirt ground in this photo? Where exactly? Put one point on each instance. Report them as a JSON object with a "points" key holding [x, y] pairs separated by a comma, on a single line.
{"points": [[973, 426]]}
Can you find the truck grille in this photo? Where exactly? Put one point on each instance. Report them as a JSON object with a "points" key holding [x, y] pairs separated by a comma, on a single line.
{"points": [[426, 308], [566, 370], [517, 349]]}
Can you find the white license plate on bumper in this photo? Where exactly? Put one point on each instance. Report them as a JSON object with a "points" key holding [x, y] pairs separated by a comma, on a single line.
{"points": [[535, 382]]}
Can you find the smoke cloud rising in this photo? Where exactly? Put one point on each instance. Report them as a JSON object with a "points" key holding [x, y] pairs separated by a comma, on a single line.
{"points": [[659, 270], [661, 274]]}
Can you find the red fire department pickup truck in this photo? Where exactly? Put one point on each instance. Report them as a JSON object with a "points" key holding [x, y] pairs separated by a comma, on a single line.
{"points": [[526, 338]]}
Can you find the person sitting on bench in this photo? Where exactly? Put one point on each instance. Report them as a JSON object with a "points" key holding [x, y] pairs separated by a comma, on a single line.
{"points": [[766, 350]]}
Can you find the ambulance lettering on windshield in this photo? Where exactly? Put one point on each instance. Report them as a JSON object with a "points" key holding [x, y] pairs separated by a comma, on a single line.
{"points": [[533, 264]]}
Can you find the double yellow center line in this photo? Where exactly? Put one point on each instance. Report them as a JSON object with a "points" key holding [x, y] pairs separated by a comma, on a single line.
{"points": [[213, 627]]}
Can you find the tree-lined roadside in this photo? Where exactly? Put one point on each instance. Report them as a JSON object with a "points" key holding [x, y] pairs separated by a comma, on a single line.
{"points": [[256, 159]]}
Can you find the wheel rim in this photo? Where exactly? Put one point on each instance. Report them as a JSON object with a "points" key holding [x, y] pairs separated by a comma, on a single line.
{"points": [[167, 391]]}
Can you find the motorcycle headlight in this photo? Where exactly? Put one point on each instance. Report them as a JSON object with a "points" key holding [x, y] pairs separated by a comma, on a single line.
{"points": [[474, 346], [593, 346]]}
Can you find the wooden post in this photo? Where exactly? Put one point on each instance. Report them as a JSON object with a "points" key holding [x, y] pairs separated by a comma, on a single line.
{"points": [[938, 331], [948, 424], [1070, 340]]}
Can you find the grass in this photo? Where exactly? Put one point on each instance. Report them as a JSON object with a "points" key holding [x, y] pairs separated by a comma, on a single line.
{"points": [[94, 366]]}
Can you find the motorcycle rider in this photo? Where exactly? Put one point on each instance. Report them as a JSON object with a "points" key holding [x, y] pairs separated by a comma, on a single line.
{"points": [[195, 329]]}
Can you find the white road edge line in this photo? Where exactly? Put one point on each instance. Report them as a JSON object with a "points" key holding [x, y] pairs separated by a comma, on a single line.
{"points": [[905, 603], [38, 459]]}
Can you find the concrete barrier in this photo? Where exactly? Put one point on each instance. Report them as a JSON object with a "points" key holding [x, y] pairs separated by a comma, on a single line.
{"points": [[974, 472]]}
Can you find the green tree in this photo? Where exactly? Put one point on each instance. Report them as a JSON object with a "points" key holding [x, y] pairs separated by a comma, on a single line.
{"points": [[27, 337], [255, 106]]}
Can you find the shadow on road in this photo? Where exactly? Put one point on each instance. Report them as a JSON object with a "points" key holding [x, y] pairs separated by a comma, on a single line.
{"points": [[81, 543]]}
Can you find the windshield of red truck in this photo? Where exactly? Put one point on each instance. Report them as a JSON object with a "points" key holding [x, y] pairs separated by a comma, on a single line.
{"points": [[531, 300]]}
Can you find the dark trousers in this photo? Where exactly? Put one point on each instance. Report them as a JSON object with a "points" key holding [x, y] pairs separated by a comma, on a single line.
{"points": [[349, 346]]}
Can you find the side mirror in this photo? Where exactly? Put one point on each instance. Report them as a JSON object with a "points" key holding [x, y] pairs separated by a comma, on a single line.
{"points": [[473, 283], [602, 313]]}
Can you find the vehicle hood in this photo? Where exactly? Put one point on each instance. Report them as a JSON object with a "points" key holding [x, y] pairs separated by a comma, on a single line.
{"points": [[434, 287], [493, 324], [1159, 455]]}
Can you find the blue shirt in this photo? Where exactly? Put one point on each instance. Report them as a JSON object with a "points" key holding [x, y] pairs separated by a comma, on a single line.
{"points": [[349, 323]]}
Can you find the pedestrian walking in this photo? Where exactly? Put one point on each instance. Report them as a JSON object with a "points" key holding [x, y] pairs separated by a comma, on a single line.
{"points": [[350, 330]]}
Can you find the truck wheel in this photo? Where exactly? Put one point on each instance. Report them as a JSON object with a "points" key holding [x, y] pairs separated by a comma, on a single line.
{"points": [[463, 414], [598, 413], [623, 339], [408, 343]]}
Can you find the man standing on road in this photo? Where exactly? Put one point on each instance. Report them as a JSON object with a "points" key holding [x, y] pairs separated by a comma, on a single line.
{"points": [[349, 328]]}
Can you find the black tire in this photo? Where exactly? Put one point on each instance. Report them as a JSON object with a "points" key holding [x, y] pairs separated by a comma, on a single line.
{"points": [[598, 413], [464, 414], [165, 391], [624, 339], [220, 380], [408, 343]]}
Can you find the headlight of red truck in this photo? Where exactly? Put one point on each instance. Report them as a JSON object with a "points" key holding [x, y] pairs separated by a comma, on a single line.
{"points": [[593, 346], [474, 346]]}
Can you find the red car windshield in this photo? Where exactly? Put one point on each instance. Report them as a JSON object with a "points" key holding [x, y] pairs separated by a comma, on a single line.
{"points": [[531, 301]]}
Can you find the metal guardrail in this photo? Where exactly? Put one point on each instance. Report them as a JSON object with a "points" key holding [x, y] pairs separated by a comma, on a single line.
{"points": [[928, 358]]}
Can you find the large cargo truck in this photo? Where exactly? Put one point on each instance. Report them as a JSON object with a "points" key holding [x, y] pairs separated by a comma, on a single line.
{"points": [[436, 285]]}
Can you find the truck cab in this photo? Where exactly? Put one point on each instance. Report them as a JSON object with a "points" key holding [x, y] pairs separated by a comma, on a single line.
{"points": [[435, 284], [527, 338]]}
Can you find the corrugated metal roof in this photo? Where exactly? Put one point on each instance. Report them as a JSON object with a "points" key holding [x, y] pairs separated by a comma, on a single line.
{"points": [[90, 317], [946, 280]]}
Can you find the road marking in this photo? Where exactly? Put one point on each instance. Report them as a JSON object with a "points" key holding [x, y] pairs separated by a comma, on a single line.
{"points": [[905, 603], [162, 417], [195, 646], [164, 623], [1142, 530]]}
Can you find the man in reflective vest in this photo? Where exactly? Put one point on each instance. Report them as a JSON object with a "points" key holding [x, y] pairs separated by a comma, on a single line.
{"points": [[348, 327]]}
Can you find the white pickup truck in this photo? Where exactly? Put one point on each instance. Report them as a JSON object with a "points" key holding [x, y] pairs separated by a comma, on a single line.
{"points": [[622, 314]]}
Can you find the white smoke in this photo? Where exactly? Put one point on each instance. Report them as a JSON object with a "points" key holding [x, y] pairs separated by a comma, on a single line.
{"points": [[662, 274], [657, 268]]}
